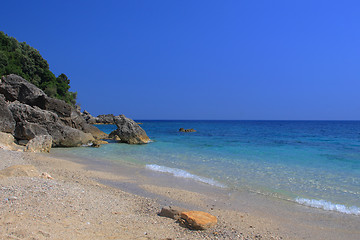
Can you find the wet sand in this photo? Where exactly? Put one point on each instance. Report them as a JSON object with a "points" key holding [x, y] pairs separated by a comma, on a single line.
{"points": [[93, 199]]}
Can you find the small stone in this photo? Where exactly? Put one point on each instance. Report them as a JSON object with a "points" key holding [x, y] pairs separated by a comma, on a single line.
{"points": [[46, 176]]}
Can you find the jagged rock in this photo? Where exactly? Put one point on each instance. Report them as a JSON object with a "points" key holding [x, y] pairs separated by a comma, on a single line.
{"points": [[14, 87], [105, 119], [7, 122], [40, 143], [172, 212], [33, 121], [129, 131], [198, 220], [28, 130], [88, 117], [187, 130], [60, 107]]}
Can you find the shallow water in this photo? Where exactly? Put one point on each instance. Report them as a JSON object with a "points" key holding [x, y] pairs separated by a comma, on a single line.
{"points": [[314, 163]]}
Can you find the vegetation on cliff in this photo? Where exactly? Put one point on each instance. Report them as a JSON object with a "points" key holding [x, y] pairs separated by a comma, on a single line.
{"points": [[21, 59]]}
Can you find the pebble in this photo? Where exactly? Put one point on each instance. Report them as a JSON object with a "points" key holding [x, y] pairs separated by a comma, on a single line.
{"points": [[12, 198]]}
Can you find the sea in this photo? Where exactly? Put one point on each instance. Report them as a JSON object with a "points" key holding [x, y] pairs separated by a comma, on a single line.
{"points": [[312, 163]]}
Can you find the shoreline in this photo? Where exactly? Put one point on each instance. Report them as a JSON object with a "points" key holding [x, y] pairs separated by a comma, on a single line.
{"points": [[240, 215]]}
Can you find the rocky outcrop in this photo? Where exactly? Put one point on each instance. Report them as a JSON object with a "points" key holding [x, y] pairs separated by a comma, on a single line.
{"points": [[33, 121], [198, 220], [37, 114], [88, 117], [128, 131], [7, 122], [187, 130], [41, 143], [105, 119], [14, 87]]}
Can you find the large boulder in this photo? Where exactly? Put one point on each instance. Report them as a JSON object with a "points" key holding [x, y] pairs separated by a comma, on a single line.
{"points": [[128, 131], [33, 121], [7, 122], [14, 87], [40, 143]]}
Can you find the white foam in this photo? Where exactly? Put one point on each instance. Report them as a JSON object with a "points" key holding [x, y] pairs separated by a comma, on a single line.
{"points": [[328, 206], [183, 174]]}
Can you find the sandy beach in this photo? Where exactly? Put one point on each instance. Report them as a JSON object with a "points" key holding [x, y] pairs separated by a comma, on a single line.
{"points": [[98, 202]]}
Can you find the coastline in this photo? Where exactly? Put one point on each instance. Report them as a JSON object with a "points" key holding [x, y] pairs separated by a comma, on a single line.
{"points": [[112, 201]]}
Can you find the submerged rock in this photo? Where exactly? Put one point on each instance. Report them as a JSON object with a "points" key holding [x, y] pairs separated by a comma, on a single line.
{"points": [[128, 131]]}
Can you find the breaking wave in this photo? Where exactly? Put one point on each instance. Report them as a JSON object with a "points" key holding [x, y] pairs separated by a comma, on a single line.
{"points": [[183, 174], [328, 206]]}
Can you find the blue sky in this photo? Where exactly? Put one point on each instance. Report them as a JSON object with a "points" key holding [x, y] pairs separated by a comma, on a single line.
{"points": [[287, 60]]}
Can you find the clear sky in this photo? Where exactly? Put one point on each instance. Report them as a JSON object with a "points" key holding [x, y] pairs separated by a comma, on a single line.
{"points": [[190, 59]]}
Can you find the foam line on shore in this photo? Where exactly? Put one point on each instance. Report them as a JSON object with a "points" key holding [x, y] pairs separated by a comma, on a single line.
{"points": [[183, 174], [329, 206]]}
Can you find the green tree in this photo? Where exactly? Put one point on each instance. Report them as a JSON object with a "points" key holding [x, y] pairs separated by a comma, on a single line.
{"points": [[26, 61]]}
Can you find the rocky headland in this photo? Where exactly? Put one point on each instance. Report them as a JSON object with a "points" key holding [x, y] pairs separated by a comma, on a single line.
{"points": [[26, 112]]}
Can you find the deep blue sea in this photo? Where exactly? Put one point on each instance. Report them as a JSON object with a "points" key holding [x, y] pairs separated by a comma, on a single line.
{"points": [[314, 163]]}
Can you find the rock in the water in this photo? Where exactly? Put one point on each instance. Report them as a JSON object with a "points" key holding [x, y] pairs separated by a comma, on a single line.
{"points": [[198, 220], [172, 212], [187, 130], [129, 131], [7, 122], [98, 143], [40, 143]]}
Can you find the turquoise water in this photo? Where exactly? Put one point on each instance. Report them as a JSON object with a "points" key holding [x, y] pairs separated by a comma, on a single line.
{"points": [[315, 163]]}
